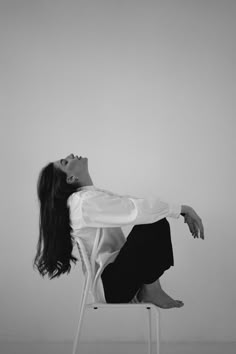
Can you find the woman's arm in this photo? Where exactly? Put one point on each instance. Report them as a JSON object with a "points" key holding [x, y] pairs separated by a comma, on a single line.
{"points": [[97, 208]]}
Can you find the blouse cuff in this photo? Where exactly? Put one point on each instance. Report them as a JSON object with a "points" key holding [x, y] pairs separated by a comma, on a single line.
{"points": [[174, 210]]}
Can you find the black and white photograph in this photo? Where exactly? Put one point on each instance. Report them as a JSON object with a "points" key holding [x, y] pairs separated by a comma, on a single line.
{"points": [[118, 176]]}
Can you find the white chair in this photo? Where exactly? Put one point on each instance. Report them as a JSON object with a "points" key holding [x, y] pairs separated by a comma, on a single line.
{"points": [[152, 312]]}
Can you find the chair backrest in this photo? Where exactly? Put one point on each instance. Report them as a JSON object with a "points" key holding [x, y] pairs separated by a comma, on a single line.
{"points": [[86, 266], [87, 270]]}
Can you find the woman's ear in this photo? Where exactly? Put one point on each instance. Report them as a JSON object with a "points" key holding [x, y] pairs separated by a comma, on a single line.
{"points": [[72, 179]]}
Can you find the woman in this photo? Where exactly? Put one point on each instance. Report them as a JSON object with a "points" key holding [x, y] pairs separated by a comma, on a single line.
{"points": [[124, 269]]}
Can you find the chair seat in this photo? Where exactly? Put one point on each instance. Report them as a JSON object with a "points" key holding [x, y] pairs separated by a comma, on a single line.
{"points": [[134, 301], [121, 304]]}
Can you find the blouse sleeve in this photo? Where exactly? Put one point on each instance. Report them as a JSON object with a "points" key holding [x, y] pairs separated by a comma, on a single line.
{"points": [[100, 209]]}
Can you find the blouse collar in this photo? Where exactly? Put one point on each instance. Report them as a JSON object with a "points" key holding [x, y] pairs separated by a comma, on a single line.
{"points": [[87, 188]]}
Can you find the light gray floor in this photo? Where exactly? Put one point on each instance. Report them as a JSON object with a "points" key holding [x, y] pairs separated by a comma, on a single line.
{"points": [[115, 348]]}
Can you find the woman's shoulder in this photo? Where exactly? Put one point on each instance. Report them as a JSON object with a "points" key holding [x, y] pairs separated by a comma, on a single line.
{"points": [[84, 193], [90, 192]]}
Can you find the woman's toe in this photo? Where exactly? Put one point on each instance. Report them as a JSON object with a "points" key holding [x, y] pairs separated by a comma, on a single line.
{"points": [[179, 301]]}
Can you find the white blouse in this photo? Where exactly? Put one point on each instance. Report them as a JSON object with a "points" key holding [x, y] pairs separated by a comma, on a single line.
{"points": [[97, 217]]}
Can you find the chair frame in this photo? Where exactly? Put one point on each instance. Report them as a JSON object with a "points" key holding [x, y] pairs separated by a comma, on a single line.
{"points": [[151, 308]]}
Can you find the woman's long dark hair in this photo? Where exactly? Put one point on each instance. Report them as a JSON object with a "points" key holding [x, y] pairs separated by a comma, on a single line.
{"points": [[54, 248]]}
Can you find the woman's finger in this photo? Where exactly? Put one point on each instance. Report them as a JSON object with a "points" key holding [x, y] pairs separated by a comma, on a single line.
{"points": [[202, 230], [195, 229], [191, 226], [199, 225]]}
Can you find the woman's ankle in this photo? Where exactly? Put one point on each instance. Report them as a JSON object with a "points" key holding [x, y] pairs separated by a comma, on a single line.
{"points": [[148, 290], [152, 286]]}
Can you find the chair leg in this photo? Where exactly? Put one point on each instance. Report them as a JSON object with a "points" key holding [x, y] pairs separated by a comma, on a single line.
{"points": [[81, 316], [149, 330], [158, 337]]}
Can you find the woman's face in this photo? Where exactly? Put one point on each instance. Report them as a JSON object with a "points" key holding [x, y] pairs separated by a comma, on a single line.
{"points": [[73, 165]]}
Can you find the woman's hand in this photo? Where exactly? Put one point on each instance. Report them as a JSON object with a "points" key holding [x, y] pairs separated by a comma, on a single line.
{"points": [[193, 221]]}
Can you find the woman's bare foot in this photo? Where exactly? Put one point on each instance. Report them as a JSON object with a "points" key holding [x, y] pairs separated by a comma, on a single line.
{"points": [[157, 296]]}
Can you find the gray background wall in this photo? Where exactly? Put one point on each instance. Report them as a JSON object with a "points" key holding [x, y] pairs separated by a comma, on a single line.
{"points": [[144, 89]]}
